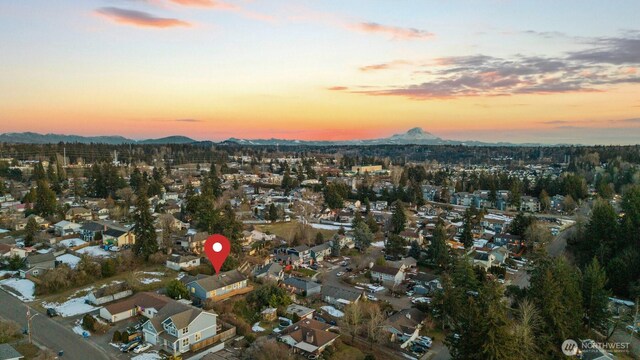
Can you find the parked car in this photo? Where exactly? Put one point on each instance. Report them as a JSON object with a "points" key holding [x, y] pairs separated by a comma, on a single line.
{"points": [[633, 328], [423, 343], [129, 346], [344, 263], [340, 273], [421, 300], [319, 318], [410, 293], [348, 269], [372, 298], [418, 349], [142, 348], [51, 312]]}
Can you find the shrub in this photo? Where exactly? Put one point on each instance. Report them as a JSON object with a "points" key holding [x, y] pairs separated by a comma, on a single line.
{"points": [[116, 337]]}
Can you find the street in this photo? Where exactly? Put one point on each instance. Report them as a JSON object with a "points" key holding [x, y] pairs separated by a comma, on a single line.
{"points": [[48, 332]]}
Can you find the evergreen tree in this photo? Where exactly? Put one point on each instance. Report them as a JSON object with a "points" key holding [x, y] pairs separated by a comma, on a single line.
{"points": [[438, 251], [372, 223], [594, 294], [357, 219], [335, 246], [30, 232], [415, 250], [214, 181], [146, 239], [363, 236], [177, 290], [45, 202], [466, 238], [136, 179], [398, 218], [272, 215], [395, 245], [38, 172]]}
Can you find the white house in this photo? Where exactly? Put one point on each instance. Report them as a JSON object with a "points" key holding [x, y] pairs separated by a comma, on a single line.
{"points": [[181, 262], [387, 275]]}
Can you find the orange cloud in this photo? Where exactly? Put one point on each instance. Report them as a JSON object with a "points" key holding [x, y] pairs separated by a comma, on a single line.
{"points": [[394, 31], [205, 3], [138, 18], [338, 88]]}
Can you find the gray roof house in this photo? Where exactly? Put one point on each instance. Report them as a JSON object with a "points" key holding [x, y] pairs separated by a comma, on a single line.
{"points": [[219, 287], [271, 272], [301, 286], [340, 297], [37, 264], [7, 352]]}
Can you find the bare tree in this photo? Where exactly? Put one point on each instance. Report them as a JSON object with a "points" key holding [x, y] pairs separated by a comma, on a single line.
{"points": [[352, 321], [374, 324], [267, 349]]}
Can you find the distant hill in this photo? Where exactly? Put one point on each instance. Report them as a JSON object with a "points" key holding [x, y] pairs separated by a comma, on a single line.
{"points": [[35, 138], [415, 136]]}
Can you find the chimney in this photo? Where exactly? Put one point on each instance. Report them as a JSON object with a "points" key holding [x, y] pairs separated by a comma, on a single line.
{"points": [[309, 337]]}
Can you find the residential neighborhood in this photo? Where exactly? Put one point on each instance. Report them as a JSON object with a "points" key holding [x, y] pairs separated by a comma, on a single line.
{"points": [[328, 260]]}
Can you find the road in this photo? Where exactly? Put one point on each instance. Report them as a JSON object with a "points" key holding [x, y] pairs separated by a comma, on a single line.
{"points": [[48, 332], [555, 248]]}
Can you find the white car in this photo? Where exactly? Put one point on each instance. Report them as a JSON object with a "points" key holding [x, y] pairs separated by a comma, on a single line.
{"points": [[372, 298], [340, 273], [141, 348], [421, 300]]}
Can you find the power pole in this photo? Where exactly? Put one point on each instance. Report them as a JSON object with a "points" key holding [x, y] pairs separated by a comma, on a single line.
{"points": [[29, 323]]}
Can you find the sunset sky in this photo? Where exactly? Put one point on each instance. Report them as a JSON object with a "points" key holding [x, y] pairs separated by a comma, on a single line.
{"points": [[491, 70]]}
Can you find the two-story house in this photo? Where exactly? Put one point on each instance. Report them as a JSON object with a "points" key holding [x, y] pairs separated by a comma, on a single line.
{"points": [[320, 252], [219, 287], [64, 228], [178, 328], [269, 272], [118, 237], [387, 275]]}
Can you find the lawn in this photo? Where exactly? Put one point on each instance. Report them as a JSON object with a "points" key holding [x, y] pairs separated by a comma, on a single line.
{"points": [[133, 278], [287, 230], [344, 351], [306, 272]]}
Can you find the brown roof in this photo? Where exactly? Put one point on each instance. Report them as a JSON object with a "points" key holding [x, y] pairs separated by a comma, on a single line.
{"points": [[143, 300], [385, 269], [214, 282], [4, 248], [310, 331]]}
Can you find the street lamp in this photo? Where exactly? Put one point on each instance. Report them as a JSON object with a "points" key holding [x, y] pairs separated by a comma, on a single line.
{"points": [[29, 317]]}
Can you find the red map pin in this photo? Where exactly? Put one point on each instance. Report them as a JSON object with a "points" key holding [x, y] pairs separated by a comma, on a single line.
{"points": [[217, 248]]}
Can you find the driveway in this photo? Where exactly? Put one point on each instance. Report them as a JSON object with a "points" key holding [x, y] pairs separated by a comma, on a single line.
{"points": [[49, 332]]}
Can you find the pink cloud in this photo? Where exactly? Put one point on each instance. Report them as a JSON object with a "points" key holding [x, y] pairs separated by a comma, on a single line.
{"points": [[138, 18], [205, 3], [394, 31]]}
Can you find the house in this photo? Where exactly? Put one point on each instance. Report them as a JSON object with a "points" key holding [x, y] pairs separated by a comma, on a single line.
{"points": [[309, 336], [319, 252], [36, 264], [64, 228], [78, 213], [529, 204], [194, 242], [412, 235], [507, 239], [180, 328], [269, 314], [22, 223], [301, 286], [387, 274], [302, 312], [405, 263], [484, 260], [118, 237], [269, 272], [302, 251], [7, 352], [339, 297], [500, 254], [108, 294], [182, 262], [147, 304], [219, 287], [405, 323], [590, 350]]}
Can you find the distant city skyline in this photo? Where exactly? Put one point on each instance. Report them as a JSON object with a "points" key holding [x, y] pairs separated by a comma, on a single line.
{"points": [[488, 70]]}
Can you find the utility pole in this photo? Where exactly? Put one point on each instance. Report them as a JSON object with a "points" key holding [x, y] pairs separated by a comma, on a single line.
{"points": [[64, 156]]}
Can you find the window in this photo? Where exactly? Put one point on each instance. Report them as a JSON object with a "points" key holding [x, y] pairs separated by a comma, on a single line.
{"points": [[185, 342], [193, 290], [198, 336], [185, 330]]}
